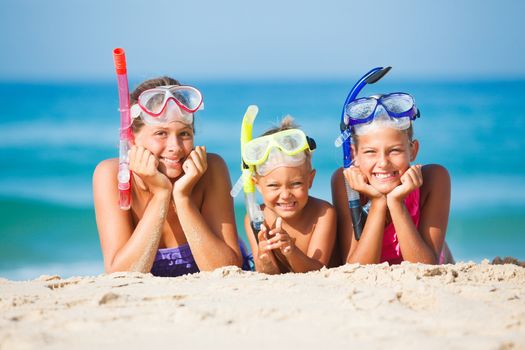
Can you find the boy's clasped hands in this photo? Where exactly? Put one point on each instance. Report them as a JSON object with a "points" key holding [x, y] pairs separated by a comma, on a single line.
{"points": [[276, 238]]}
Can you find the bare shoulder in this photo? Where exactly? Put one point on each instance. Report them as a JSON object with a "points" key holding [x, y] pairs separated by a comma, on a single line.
{"points": [[319, 207], [435, 173], [337, 176], [216, 178], [107, 167], [435, 178], [216, 164]]}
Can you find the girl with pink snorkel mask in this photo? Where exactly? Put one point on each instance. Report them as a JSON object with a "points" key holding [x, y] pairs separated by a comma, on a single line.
{"points": [[181, 217]]}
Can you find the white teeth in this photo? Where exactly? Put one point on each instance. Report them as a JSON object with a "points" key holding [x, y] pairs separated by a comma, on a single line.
{"points": [[286, 205], [171, 161], [383, 176]]}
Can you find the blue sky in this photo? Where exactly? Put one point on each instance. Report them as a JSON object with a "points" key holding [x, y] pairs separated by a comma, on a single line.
{"points": [[271, 39]]}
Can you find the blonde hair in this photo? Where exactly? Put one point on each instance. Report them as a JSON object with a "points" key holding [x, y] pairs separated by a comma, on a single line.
{"points": [[286, 123]]}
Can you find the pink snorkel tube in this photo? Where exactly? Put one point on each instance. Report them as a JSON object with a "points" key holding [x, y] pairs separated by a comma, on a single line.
{"points": [[126, 136]]}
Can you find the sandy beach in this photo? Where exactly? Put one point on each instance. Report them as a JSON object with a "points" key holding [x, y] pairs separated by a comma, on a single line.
{"points": [[410, 306]]}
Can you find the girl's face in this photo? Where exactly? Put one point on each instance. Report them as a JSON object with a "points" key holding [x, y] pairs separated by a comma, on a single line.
{"points": [[383, 156], [170, 142], [285, 189]]}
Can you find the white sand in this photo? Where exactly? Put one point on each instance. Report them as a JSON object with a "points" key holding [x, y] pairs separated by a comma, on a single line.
{"points": [[411, 306]]}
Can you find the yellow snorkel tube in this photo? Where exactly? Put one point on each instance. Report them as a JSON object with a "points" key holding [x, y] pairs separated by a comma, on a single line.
{"points": [[252, 208]]}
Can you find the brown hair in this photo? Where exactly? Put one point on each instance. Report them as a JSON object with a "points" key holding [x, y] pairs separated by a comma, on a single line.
{"points": [[137, 123]]}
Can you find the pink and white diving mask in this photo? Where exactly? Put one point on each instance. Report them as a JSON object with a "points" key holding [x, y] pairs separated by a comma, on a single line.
{"points": [[166, 103]]}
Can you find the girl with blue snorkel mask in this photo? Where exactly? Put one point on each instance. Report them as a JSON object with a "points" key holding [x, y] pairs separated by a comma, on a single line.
{"points": [[408, 204], [181, 218], [298, 231]]}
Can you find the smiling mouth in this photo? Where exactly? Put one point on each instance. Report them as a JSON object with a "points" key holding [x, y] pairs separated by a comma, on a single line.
{"points": [[287, 206], [386, 176], [172, 163]]}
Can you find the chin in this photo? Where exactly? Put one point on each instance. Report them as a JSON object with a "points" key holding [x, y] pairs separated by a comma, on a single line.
{"points": [[385, 189], [172, 174]]}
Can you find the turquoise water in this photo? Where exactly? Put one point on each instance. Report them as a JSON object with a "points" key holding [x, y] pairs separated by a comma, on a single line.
{"points": [[53, 135]]}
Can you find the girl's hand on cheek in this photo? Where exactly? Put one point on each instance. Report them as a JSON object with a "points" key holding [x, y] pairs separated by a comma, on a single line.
{"points": [[410, 180], [194, 167], [357, 181], [144, 164]]}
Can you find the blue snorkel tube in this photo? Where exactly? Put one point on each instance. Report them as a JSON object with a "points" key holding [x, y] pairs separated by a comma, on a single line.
{"points": [[357, 212]]}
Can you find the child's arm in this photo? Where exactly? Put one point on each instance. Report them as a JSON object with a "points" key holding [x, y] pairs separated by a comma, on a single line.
{"points": [[210, 230], [126, 247], [264, 259], [425, 245], [321, 242], [368, 249], [345, 230]]}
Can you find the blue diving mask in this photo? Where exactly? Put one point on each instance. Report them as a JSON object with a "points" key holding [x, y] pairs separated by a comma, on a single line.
{"points": [[394, 110]]}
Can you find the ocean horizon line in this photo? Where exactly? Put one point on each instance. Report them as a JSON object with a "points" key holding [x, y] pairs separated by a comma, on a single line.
{"points": [[136, 79]]}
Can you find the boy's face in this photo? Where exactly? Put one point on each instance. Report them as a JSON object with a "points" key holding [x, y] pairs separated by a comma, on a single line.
{"points": [[285, 189]]}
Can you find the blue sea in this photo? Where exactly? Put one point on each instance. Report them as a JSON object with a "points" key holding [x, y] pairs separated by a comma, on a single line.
{"points": [[52, 135]]}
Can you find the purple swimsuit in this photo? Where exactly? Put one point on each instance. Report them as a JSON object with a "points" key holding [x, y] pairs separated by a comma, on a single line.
{"points": [[178, 261]]}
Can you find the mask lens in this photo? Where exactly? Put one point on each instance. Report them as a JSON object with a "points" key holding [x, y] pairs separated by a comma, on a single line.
{"points": [[361, 109], [189, 97], [153, 100], [291, 143], [255, 150], [398, 103]]}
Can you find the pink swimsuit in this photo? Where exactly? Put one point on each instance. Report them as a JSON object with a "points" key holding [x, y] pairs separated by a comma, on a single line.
{"points": [[391, 251]]}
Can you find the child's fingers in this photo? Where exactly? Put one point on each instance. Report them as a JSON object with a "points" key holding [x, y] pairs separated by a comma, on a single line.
{"points": [[198, 161], [262, 234], [419, 174], [264, 257], [273, 232], [189, 166], [413, 176], [275, 239], [417, 177], [280, 237], [279, 245], [152, 164], [131, 154], [140, 156], [134, 158], [278, 224], [201, 152], [355, 178]]}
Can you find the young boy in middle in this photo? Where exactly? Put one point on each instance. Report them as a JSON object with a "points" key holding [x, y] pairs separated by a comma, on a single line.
{"points": [[298, 232]]}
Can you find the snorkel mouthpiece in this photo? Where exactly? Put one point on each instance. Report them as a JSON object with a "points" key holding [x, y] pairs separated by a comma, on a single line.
{"points": [[376, 76]]}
